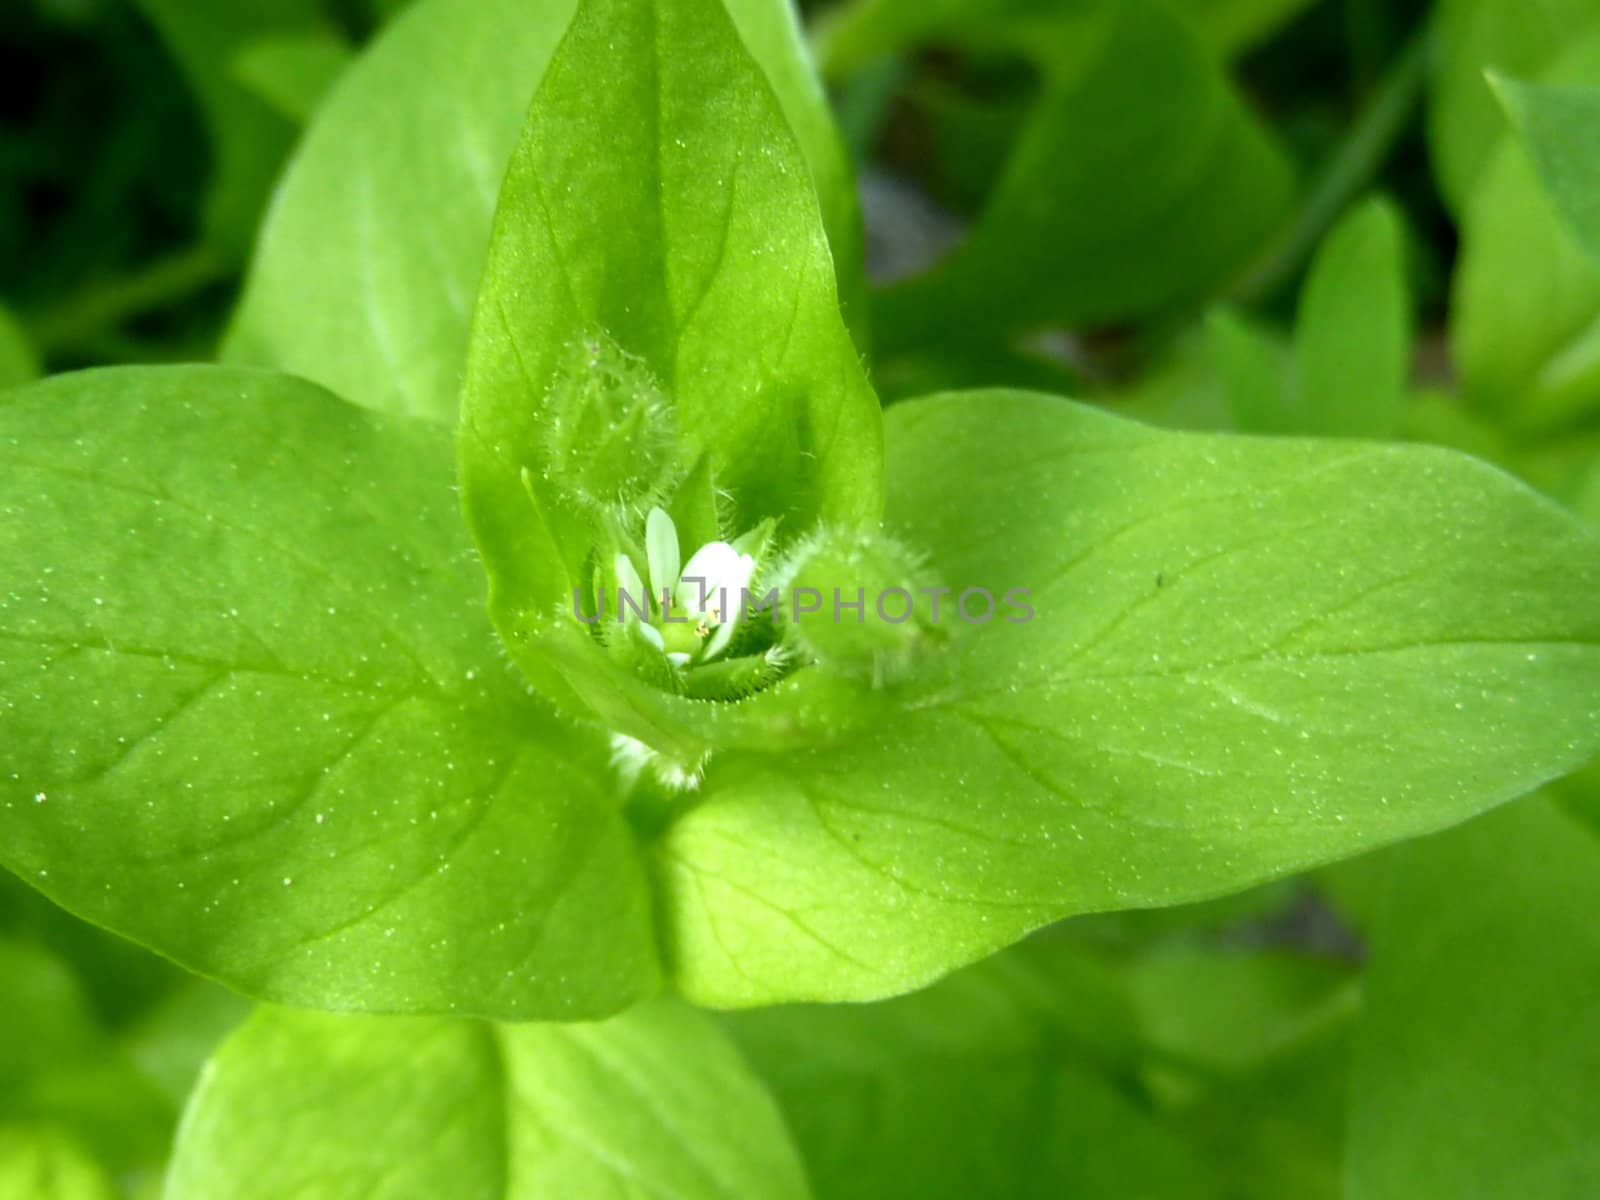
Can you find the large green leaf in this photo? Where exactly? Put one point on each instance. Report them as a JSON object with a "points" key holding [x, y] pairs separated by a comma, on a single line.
{"points": [[1247, 657], [256, 719], [1119, 199], [772, 33], [364, 277], [652, 1103], [1518, 37], [1478, 1055], [1525, 327], [721, 296]]}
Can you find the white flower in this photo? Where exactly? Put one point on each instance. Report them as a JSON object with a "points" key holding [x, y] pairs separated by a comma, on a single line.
{"points": [[693, 609]]}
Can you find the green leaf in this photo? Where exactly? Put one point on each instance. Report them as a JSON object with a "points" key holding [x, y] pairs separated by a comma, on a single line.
{"points": [[121, 980], [1119, 200], [257, 720], [1190, 385], [1347, 372], [1580, 794], [1233, 1010], [1559, 125], [866, 30], [1352, 343], [992, 1084], [652, 1103], [1246, 657], [18, 362], [1525, 331], [292, 72], [171, 1042], [62, 1070], [1588, 499], [47, 1017], [1477, 1069], [1255, 370], [771, 32], [43, 1163], [1278, 1129], [721, 299], [1234, 27], [1472, 36], [387, 10], [249, 139], [364, 278]]}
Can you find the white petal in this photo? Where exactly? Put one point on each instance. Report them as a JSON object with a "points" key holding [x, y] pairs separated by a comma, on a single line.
{"points": [[661, 549], [630, 585], [723, 573], [651, 634], [678, 660]]}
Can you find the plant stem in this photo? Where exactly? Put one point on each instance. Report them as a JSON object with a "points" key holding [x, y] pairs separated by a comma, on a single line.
{"points": [[107, 305], [1359, 157]]}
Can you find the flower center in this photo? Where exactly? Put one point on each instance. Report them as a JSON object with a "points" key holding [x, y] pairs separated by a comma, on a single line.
{"points": [[688, 611]]}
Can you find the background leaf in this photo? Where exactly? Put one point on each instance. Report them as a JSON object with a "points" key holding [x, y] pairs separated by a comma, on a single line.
{"points": [[1478, 1053], [292, 72], [383, 216], [1516, 37], [64, 1073], [654, 1103], [249, 139], [1235, 27], [1010, 1079], [383, 219], [41, 1163], [1117, 199], [18, 362], [1232, 1010], [1247, 657], [1353, 335], [1560, 127], [1347, 371], [1255, 372], [291, 758], [1525, 327]]}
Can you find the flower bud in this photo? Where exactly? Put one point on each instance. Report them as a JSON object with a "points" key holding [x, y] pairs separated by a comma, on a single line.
{"points": [[610, 437], [855, 602]]}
